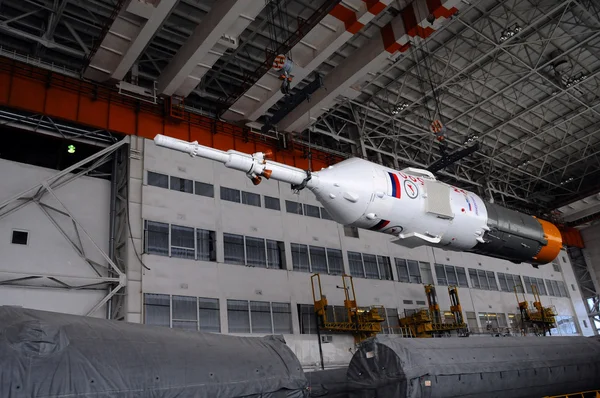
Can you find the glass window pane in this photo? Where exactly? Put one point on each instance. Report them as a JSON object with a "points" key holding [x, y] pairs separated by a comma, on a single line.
{"points": [[413, 271], [402, 270], [158, 180], [325, 214], [260, 312], [293, 207], [185, 315], [231, 195], [451, 275], [272, 203], [527, 282], [238, 316], [474, 279], [392, 320], [336, 262], [300, 257], [491, 280], [282, 318], [157, 238], [541, 287], [385, 268], [318, 260], [440, 273], [518, 283], [249, 198], [182, 242], [157, 309], [233, 246], [562, 289], [255, 252], [370, 262], [502, 280], [356, 265], [483, 282], [350, 231], [182, 185], [204, 189], [426, 275], [210, 318], [206, 245], [462, 277], [275, 254], [306, 315], [311, 211]]}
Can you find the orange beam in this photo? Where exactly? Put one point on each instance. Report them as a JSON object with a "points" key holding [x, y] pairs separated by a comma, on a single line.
{"points": [[44, 92]]}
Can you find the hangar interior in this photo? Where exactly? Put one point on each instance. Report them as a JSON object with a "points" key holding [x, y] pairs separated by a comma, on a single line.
{"points": [[497, 97]]}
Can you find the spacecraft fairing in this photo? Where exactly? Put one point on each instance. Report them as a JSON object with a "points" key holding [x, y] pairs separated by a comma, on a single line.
{"points": [[410, 204]]}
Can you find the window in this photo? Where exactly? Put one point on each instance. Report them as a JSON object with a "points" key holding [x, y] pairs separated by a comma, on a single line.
{"points": [[585, 325], [562, 289], [253, 251], [556, 266], [182, 185], [307, 318], [238, 316], [261, 317], [157, 238], [471, 321], [509, 281], [300, 257], [229, 194], [311, 211], [325, 214], [408, 270], [408, 302], [538, 282], [204, 189], [249, 198], [182, 242], [293, 207], [335, 261], [185, 314], [19, 237], [275, 254], [256, 255], [481, 279], [182, 312], [206, 245], [420, 302], [450, 275], [209, 315], [272, 203], [157, 309], [317, 259], [350, 231], [369, 266], [391, 324], [233, 246], [158, 180]]}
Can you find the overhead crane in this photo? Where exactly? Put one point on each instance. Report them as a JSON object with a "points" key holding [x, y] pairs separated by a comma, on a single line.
{"points": [[541, 318], [361, 323], [428, 322]]}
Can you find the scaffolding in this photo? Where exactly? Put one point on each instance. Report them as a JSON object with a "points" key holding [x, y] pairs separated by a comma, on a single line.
{"points": [[361, 323], [427, 322], [541, 320]]}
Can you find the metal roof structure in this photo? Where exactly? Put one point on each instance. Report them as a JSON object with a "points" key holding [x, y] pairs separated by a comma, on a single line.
{"points": [[518, 77]]}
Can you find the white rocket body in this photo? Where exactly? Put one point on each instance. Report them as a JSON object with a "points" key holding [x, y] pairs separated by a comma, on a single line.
{"points": [[409, 204]]}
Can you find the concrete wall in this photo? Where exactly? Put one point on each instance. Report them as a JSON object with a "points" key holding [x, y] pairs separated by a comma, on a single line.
{"points": [[47, 251]]}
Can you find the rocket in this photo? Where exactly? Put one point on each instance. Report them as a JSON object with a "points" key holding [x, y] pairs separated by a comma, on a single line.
{"points": [[411, 205]]}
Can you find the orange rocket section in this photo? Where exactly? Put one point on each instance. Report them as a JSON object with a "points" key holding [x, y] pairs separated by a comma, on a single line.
{"points": [[554, 238]]}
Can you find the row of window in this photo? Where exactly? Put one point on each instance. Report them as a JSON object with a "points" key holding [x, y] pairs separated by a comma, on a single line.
{"points": [[233, 195], [200, 244], [200, 313]]}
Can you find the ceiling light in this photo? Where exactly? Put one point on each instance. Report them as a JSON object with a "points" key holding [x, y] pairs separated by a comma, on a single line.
{"points": [[71, 148]]}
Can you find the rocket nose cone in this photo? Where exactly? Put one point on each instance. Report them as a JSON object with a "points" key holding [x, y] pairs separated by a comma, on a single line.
{"points": [[345, 189]]}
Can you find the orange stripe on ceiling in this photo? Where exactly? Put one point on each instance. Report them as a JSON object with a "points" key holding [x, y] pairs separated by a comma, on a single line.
{"points": [[389, 39], [444, 12], [433, 5], [31, 89], [348, 17], [410, 20], [375, 6]]}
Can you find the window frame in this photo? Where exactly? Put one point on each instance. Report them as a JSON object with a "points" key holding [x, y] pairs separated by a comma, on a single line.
{"points": [[272, 324]]}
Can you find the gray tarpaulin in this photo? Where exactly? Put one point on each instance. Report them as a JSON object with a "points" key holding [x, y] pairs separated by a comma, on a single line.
{"points": [[474, 367], [51, 355]]}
